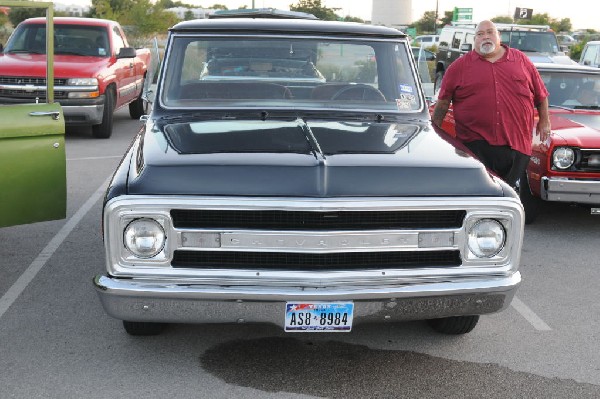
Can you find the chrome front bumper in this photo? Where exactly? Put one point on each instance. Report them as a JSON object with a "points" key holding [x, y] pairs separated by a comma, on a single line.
{"points": [[83, 114], [186, 302], [580, 191]]}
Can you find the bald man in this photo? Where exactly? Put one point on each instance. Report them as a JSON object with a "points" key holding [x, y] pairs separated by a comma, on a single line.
{"points": [[494, 90]]}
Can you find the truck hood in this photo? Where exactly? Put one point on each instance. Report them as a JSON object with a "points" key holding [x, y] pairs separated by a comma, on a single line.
{"points": [[559, 58], [65, 66], [303, 159], [580, 128]]}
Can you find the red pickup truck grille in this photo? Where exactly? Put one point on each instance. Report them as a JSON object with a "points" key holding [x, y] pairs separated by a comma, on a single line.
{"points": [[28, 80], [27, 93]]}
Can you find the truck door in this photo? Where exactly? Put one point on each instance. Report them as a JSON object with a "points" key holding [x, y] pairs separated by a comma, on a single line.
{"points": [[32, 150]]}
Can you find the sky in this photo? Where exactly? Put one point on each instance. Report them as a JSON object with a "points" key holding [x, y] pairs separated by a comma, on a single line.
{"points": [[578, 11]]}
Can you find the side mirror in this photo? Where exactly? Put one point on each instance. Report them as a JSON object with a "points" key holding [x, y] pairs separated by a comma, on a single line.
{"points": [[126, 52], [586, 62], [466, 47]]}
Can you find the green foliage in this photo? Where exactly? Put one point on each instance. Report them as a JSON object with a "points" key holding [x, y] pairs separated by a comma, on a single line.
{"points": [[427, 23], [19, 14], [348, 18], [563, 25], [315, 8], [218, 7], [576, 49], [502, 19], [447, 18], [146, 18]]}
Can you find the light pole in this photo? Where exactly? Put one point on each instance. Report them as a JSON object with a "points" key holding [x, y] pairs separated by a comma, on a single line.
{"points": [[436, 18]]}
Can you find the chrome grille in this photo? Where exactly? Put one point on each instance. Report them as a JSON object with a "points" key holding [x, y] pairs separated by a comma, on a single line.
{"points": [[320, 262], [308, 220], [29, 80]]}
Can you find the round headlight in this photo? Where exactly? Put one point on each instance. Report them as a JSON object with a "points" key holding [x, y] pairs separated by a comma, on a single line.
{"points": [[486, 238], [144, 237], [563, 157]]}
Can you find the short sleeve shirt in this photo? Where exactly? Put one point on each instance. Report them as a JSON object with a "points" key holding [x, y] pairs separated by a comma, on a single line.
{"points": [[494, 101]]}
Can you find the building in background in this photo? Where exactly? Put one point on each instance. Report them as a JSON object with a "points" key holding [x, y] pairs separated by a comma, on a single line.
{"points": [[72, 10], [392, 13]]}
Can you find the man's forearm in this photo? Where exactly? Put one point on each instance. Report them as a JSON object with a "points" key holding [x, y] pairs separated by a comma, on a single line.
{"points": [[439, 112]]}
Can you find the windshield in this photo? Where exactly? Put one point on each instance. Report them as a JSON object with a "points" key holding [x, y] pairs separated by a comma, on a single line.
{"points": [[260, 72], [572, 90], [540, 42], [68, 39]]}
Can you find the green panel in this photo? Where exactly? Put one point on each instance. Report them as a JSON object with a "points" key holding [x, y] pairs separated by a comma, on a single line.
{"points": [[18, 122], [32, 165]]}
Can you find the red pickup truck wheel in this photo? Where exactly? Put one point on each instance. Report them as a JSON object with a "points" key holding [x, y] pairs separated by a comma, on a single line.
{"points": [[137, 108], [104, 130]]}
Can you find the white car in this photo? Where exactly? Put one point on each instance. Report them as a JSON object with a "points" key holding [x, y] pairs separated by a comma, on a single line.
{"points": [[427, 40], [590, 55]]}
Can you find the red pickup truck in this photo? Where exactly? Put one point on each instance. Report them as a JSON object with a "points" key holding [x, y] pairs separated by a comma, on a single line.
{"points": [[95, 70]]}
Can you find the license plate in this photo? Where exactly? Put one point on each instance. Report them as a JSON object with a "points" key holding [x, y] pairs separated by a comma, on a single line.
{"points": [[595, 211], [319, 316]]}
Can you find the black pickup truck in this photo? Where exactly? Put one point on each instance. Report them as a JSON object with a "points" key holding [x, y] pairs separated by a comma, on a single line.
{"points": [[289, 174]]}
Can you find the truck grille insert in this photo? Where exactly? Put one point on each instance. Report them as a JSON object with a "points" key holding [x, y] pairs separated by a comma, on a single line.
{"points": [[297, 261], [309, 220]]}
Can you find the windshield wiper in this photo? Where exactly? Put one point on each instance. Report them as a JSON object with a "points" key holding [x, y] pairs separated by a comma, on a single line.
{"points": [[560, 107], [587, 107], [24, 52]]}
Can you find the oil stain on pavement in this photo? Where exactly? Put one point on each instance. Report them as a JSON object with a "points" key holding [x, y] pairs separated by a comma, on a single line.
{"points": [[282, 364]]}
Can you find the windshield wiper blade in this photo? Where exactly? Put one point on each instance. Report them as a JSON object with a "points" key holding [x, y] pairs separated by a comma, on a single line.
{"points": [[24, 52], [587, 106], [560, 107]]}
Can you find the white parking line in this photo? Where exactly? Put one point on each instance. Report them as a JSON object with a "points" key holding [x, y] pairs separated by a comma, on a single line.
{"points": [[93, 158], [529, 315], [29, 274]]}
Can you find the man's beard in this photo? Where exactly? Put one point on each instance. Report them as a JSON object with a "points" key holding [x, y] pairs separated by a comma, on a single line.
{"points": [[487, 48]]}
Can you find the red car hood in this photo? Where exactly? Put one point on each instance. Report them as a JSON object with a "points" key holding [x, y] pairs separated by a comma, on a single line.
{"points": [[65, 66], [580, 128]]}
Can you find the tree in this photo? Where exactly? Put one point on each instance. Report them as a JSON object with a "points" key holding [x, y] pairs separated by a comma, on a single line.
{"points": [[143, 16], [426, 23], [348, 18], [315, 8], [218, 7], [18, 14], [563, 25], [447, 18], [502, 19]]}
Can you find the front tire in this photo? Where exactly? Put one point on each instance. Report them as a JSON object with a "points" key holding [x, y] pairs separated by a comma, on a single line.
{"points": [[104, 129], [531, 203], [138, 107], [454, 325], [138, 328]]}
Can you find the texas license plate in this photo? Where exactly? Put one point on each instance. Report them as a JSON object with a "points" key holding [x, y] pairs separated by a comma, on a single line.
{"points": [[319, 316]]}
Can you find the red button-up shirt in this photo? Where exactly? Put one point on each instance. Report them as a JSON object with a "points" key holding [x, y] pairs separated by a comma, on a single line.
{"points": [[494, 101]]}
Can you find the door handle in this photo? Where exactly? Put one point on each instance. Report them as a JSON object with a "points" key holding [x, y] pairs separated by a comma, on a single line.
{"points": [[54, 114]]}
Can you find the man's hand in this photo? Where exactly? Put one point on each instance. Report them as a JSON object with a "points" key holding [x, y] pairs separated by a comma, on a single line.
{"points": [[439, 112], [543, 128]]}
